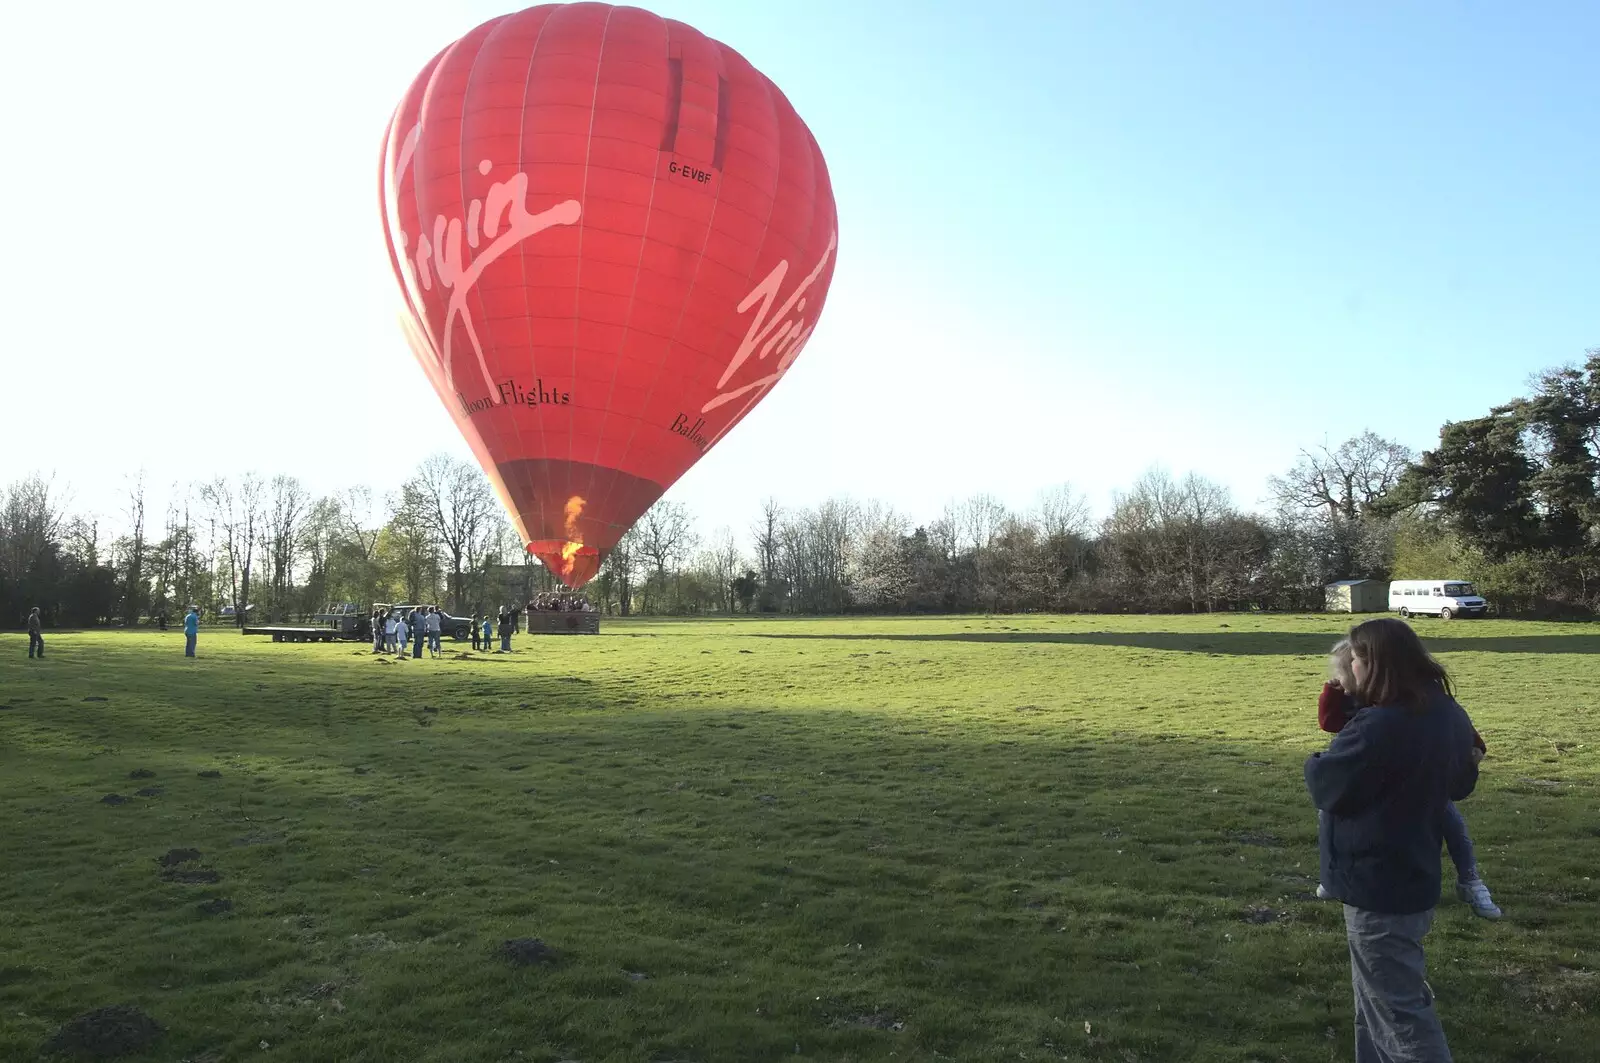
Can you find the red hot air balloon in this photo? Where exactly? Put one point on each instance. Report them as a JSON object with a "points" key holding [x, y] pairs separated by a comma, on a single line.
{"points": [[613, 236]]}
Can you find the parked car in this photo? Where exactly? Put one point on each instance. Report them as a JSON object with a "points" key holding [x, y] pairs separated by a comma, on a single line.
{"points": [[1443, 598]]}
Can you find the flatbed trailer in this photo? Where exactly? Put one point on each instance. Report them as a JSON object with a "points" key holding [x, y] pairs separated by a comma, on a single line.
{"points": [[283, 633]]}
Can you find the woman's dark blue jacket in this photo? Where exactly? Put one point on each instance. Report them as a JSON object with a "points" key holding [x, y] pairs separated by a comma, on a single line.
{"points": [[1384, 782]]}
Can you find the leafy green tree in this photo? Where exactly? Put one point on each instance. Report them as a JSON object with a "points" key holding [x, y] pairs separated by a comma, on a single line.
{"points": [[1562, 418], [1481, 482]]}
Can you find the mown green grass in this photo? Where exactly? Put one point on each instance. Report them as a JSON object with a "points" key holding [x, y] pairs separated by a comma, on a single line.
{"points": [[977, 839]]}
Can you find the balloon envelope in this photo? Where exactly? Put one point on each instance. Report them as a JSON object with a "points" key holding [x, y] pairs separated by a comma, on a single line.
{"points": [[613, 236]]}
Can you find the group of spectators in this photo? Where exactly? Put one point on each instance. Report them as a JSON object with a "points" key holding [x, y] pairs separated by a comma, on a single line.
{"points": [[559, 603], [394, 629]]}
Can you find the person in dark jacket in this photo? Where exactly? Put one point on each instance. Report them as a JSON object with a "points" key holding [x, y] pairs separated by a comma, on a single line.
{"points": [[1337, 706], [35, 634], [1384, 782]]}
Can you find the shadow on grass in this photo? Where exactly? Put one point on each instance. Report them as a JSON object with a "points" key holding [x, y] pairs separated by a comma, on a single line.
{"points": [[1231, 643], [821, 884]]}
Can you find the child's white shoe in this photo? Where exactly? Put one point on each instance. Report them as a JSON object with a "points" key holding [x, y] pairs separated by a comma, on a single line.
{"points": [[1476, 894]]}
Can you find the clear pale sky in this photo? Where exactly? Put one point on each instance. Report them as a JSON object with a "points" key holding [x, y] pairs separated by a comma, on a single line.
{"points": [[1076, 239]]}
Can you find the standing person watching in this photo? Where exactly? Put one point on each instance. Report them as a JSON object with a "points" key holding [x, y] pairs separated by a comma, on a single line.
{"points": [[35, 634], [435, 629], [191, 630], [1385, 783]]}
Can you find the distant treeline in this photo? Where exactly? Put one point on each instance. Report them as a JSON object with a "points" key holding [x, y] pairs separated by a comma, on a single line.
{"points": [[1507, 500]]}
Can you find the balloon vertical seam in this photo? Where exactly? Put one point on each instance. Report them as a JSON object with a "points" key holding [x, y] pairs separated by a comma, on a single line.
{"points": [[688, 295], [522, 259], [577, 295], [461, 158], [669, 134]]}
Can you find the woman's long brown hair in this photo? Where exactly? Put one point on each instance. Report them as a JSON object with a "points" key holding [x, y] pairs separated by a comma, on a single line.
{"points": [[1399, 671]]}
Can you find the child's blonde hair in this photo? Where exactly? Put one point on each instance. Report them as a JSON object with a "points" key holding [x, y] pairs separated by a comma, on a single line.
{"points": [[1339, 665]]}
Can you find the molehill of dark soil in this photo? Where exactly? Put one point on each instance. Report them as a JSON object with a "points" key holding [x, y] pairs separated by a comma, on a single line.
{"points": [[525, 952], [879, 1020], [174, 857], [141, 773], [105, 1033], [216, 906], [114, 799], [149, 791], [212, 774]]}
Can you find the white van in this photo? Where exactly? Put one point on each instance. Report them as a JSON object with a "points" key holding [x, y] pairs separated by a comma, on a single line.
{"points": [[1443, 598]]}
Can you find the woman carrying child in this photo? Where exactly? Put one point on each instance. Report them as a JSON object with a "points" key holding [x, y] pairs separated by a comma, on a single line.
{"points": [[1385, 783], [1335, 707]]}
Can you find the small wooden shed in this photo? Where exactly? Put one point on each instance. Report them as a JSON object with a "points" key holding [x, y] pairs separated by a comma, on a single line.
{"points": [[1358, 596]]}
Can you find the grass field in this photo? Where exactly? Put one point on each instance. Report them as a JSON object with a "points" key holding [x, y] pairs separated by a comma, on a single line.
{"points": [[1080, 838]]}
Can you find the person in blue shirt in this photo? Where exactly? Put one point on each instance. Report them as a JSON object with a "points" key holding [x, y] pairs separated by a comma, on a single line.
{"points": [[1386, 782], [488, 632], [191, 630]]}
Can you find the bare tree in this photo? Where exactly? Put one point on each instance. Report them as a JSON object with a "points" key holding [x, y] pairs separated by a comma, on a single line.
{"points": [[621, 568], [190, 564], [32, 518], [281, 536], [977, 520], [1062, 511], [815, 555], [944, 534], [1175, 545], [666, 534], [495, 539], [1345, 482], [237, 511], [1064, 521], [360, 521], [134, 589], [1203, 508], [725, 560], [1338, 497], [456, 503], [1140, 545], [879, 571], [765, 535]]}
